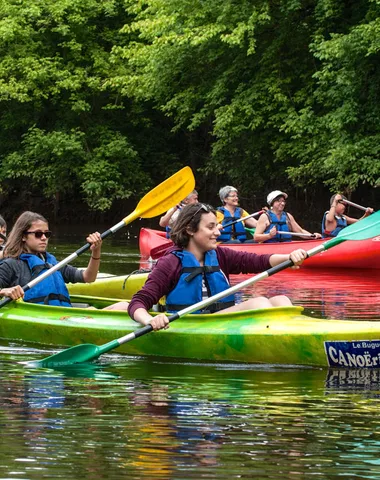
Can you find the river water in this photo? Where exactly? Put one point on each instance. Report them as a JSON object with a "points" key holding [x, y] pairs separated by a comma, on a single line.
{"points": [[140, 418]]}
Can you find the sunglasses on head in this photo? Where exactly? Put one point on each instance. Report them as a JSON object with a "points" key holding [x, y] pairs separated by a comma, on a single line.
{"points": [[39, 233], [205, 208]]}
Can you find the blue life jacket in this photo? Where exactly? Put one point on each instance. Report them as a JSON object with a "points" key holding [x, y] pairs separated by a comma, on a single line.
{"points": [[233, 232], [188, 290], [341, 222], [280, 224], [52, 290]]}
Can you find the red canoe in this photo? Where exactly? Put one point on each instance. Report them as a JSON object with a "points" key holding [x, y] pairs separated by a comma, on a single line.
{"points": [[350, 254]]}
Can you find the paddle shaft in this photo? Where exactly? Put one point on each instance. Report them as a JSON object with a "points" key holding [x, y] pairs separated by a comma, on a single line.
{"points": [[155, 202], [157, 252], [242, 219], [366, 228], [3, 236], [295, 234], [214, 298], [360, 207], [63, 262]]}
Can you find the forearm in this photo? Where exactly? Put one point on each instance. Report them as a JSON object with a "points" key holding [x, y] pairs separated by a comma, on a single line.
{"points": [[91, 272], [278, 258], [297, 257], [250, 223], [330, 217], [262, 237], [368, 212], [142, 316], [165, 219]]}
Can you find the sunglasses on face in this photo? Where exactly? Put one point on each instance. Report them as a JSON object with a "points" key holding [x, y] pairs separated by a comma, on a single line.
{"points": [[39, 233]]}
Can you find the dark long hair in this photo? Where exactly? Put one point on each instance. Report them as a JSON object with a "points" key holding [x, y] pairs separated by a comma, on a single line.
{"points": [[15, 245], [188, 220]]}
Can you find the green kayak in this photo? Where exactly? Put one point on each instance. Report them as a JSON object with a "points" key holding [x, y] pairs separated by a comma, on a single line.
{"points": [[272, 336], [113, 286]]}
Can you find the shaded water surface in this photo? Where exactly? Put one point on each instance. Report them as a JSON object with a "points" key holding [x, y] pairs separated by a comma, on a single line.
{"points": [[140, 418]]}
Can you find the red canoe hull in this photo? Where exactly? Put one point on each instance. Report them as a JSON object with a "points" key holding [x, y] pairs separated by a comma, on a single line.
{"points": [[152, 240], [349, 254]]}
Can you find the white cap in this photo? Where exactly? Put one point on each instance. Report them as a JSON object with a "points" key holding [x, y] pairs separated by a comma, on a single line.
{"points": [[273, 195], [225, 191]]}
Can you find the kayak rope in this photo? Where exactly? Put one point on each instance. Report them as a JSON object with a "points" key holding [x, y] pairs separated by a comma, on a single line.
{"points": [[136, 272]]}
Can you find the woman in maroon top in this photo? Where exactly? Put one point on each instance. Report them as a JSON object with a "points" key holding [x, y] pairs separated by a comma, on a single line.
{"points": [[196, 231]]}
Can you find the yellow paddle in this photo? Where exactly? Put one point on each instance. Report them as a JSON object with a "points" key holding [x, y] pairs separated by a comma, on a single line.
{"points": [[157, 201]]}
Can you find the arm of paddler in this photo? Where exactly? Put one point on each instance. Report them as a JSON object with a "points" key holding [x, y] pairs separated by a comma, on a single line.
{"points": [[297, 257], [12, 292], [250, 222], [91, 272], [296, 228], [158, 322]]}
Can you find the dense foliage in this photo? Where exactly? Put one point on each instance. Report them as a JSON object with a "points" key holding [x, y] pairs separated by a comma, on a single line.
{"points": [[102, 99]]}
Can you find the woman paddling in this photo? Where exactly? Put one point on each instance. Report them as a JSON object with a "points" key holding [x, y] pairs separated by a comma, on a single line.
{"points": [[334, 219], [25, 257], [197, 268], [167, 220], [228, 213], [278, 220]]}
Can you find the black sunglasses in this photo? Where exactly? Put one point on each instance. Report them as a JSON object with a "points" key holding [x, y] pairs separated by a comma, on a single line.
{"points": [[39, 233], [206, 208]]}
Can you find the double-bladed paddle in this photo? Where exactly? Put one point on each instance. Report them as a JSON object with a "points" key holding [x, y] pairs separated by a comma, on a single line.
{"points": [[295, 234], [160, 250], [242, 219], [157, 201], [366, 228], [360, 207]]}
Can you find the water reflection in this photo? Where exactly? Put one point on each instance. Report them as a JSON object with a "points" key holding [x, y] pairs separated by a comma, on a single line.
{"points": [[147, 419], [340, 294], [354, 380], [144, 419]]}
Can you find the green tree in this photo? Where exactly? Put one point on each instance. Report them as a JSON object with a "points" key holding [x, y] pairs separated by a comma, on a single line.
{"points": [[287, 89], [63, 133]]}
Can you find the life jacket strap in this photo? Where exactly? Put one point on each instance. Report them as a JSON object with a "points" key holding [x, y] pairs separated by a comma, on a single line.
{"points": [[194, 271], [38, 268], [48, 298]]}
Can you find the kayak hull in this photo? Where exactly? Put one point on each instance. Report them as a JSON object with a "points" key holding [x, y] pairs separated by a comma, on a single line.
{"points": [[272, 336], [349, 254], [152, 239], [116, 286]]}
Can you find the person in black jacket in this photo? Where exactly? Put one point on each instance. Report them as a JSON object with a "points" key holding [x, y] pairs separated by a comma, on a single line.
{"points": [[26, 256]]}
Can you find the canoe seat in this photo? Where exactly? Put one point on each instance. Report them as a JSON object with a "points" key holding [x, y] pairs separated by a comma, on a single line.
{"points": [[80, 305]]}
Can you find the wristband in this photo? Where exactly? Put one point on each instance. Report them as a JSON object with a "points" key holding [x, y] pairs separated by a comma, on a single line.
{"points": [[95, 258]]}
